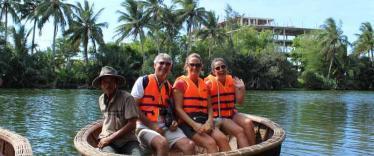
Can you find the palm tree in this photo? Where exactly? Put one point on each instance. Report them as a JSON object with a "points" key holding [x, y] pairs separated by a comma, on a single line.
{"points": [[61, 13], [9, 7], [28, 12], [134, 22], [192, 14], [84, 27], [171, 24], [212, 31], [154, 9], [333, 42], [365, 41], [20, 41]]}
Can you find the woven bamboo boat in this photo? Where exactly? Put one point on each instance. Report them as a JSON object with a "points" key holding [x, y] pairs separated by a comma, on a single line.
{"points": [[12, 144], [269, 138]]}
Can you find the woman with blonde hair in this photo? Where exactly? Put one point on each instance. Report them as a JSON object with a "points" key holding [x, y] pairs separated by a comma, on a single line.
{"points": [[193, 107]]}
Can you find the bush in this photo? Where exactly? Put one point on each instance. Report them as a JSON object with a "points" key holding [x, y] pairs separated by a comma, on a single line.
{"points": [[312, 80]]}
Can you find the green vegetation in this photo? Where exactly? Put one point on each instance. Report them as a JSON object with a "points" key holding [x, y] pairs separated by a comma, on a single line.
{"points": [[319, 59]]}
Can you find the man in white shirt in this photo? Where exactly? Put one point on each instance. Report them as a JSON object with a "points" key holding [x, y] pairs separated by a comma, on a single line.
{"points": [[152, 92]]}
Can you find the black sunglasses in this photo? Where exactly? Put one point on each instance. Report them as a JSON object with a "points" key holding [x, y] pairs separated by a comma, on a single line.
{"points": [[197, 65], [220, 67], [164, 63]]}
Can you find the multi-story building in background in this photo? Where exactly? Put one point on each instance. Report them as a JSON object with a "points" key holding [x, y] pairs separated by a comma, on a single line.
{"points": [[283, 35]]}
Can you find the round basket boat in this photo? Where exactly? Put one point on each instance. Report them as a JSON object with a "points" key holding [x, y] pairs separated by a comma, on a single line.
{"points": [[12, 144], [269, 138]]}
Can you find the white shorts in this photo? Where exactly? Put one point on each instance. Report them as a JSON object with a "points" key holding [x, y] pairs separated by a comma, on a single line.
{"points": [[145, 136]]}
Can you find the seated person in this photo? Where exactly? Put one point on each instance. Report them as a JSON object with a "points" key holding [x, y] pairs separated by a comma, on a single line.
{"points": [[152, 93], [120, 114]]}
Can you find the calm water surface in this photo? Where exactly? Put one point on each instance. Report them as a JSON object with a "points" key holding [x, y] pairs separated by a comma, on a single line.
{"points": [[316, 122]]}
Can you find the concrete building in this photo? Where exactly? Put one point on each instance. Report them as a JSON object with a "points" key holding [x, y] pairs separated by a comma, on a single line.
{"points": [[283, 35]]}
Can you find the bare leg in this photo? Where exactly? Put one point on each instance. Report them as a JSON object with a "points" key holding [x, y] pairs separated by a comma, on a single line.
{"points": [[160, 145], [246, 124], [230, 127], [205, 141], [221, 139], [186, 145]]}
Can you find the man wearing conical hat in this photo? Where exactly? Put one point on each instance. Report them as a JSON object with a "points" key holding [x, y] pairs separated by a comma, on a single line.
{"points": [[120, 114]]}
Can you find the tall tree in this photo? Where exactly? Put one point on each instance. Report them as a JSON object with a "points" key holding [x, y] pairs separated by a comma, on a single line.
{"points": [[365, 41], [133, 22], [334, 43], [192, 15], [20, 41], [231, 24], [84, 27], [9, 7], [61, 13], [154, 10], [171, 24], [28, 12], [212, 31]]}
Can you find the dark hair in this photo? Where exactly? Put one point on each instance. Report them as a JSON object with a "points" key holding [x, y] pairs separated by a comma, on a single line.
{"points": [[214, 61]]}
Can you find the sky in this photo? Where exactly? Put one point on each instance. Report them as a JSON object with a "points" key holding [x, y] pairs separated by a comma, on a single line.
{"points": [[297, 13]]}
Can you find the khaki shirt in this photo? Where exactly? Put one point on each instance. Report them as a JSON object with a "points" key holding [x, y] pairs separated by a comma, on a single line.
{"points": [[116, 114]]}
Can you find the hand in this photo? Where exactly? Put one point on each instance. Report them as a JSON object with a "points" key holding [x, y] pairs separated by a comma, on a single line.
{"points": [[207, 127], [238, 83], [198, 128], [159, 130], [174, 126], [104, 142]]}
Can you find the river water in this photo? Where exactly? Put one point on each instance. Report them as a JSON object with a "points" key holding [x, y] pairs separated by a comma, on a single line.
{"points": [[316, 122]]}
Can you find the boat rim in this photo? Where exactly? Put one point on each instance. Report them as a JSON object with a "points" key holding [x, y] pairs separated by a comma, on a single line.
{"points": [[279, 134]]}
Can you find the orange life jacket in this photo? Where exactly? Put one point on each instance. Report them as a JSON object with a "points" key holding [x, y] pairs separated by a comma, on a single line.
{"points": [[195, 98], [226, 96], [153, 99]]}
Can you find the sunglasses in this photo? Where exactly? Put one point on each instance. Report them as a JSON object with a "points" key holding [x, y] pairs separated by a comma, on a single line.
{"points": [[220, 67], [197, 65], [164, 63]]}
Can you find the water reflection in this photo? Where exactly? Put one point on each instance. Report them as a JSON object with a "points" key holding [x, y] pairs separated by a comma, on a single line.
{"points": [[48, 118], [316, 122], [320, 122]]}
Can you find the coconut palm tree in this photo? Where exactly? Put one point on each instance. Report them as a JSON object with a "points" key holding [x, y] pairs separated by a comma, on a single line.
{"points": [[212, 31], [154, 9], [60, 12], [333, 42], [84, 27], [28, 12], [9, 7], [192, 15], [20, 41], [171, 24], [133, 22], [365, 41]]}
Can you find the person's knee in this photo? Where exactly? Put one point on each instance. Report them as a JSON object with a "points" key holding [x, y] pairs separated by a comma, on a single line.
{"points": [[238, 132], [160, 144], [248, 123], [187, 146], [210, 143], [220, 138]]}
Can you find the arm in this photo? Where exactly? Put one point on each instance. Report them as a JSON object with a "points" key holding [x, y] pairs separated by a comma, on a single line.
{"points": [[150, 124], [138, 92], [131, 124], [209, 123], [178, 97], [239, 90]]}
